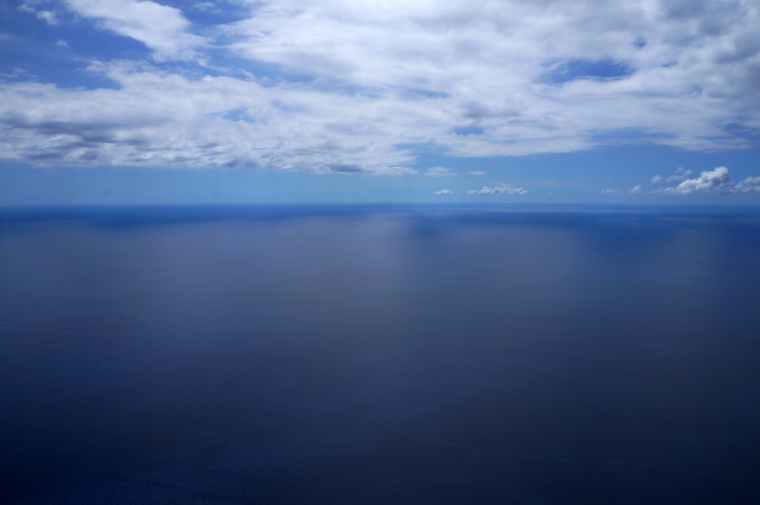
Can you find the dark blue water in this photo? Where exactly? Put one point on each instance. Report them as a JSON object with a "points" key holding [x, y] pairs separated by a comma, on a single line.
{"points": [[379, 355]]}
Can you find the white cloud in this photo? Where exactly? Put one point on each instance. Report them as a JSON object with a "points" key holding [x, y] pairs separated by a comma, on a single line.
{"points": [[368, 86], [439, 172], [502, 189], [444, 191], [37, 7], [748, 185], [48, 17], [712, 181], [460, 49], [155, 119], [636, 190], [715, 181], [681, 174], [477, 172], [163, 29]]}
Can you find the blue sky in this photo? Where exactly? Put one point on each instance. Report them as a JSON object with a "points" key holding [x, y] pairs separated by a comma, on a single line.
{"points": [[125, 101]]}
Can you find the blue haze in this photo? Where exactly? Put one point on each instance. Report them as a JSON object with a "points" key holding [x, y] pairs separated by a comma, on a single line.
{"points": [[379, 354]]}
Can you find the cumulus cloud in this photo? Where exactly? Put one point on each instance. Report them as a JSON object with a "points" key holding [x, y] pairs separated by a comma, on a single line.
{"points": [[715, 181], [502, 189], [748, 185], [444, 191], [709, 181], [339, 85]]}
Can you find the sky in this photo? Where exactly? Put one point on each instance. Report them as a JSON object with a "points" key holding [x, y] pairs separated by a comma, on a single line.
{"points": [[478, 101]]}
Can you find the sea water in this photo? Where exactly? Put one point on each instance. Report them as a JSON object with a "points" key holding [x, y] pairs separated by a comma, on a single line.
{"points": [[379, 355]]}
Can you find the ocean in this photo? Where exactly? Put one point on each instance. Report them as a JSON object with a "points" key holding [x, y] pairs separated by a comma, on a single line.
{"points": [[317, 354]]}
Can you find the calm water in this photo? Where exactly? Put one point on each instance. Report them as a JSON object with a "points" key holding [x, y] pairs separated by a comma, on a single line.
{"points": [[293, 355]]}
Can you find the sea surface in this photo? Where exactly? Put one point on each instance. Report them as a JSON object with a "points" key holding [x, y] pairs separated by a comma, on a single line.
{"points": [[379, 355]]}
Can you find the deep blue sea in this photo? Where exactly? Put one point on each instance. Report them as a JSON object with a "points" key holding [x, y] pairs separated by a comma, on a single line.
{"points": [[379, 355]]}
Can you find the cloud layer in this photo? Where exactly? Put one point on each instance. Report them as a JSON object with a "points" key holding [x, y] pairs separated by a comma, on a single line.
{"points": [[715, 181], [503, 189], [500, 189], [344, 86], [163, 29]]}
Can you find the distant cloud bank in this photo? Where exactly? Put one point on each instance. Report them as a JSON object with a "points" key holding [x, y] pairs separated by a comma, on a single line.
{"points": [[715, 181], [501, 189]]}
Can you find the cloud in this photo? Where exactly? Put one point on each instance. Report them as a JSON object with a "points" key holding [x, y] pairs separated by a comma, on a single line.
{"points": [[375, 86], [36, 7], [423, 46], [477, 172], [636, 190], [715, 181], [159, 119], [681, 174], [503, 189], [712, 181], [439, 172], [48, 16], [161, 28], [748, 185]]}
